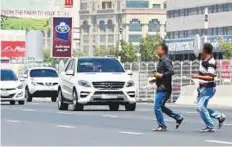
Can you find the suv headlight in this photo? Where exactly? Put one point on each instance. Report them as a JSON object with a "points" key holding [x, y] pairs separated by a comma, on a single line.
{"points": [[130, 84], [84, 83], [20, 86]]}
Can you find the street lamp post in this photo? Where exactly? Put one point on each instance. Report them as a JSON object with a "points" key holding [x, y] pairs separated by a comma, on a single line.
{"points": [[120, 44], [206, 24]]}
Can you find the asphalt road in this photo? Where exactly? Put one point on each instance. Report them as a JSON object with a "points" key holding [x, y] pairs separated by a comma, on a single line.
{"points": [[40, 124]]}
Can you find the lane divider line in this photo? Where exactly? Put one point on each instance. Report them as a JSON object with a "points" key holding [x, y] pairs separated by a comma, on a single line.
{"points": [[65, 126], [14, 121], [219, 142], [111, 116], [29, 110], [131, 133]]}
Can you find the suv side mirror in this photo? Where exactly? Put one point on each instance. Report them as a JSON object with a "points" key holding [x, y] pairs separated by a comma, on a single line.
{"points": [[129, 72], [70, 72]]}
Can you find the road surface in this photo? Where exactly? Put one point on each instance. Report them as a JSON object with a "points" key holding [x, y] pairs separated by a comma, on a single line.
{"points": [[40, 124]]}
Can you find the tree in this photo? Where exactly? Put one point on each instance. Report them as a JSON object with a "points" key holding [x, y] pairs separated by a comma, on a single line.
{"points": [[47, 56], [226, 47], [105, 51], [128, 53], [147, 45], [76, 53]]}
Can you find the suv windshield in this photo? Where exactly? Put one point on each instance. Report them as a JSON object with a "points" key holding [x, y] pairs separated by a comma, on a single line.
{"points": [[8, 75], [43, 73], [99, 65]]}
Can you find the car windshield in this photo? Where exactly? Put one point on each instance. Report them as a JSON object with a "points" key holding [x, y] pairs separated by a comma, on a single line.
{"points": [[43, 73], [8, 75], [99, 65]]}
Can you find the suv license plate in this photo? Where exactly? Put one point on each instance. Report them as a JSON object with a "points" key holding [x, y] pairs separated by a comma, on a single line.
{"points": [[107, 96]]}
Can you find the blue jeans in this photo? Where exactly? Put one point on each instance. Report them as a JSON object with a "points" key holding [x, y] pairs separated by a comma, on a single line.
{"points": [[204, 95], [159, 107]]}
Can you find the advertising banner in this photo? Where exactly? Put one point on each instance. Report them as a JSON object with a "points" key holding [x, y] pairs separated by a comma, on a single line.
{"points": [[12, 48], [68, 3], [62, 37]]}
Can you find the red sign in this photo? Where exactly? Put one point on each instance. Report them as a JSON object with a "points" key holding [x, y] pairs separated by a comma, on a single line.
{"points": [[62, 37], [68, 3], [13, 48]]}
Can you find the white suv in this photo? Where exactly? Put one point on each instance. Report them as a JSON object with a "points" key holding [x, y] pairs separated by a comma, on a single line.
{"points": [[11, 88], [41, 82], [95, 81]]}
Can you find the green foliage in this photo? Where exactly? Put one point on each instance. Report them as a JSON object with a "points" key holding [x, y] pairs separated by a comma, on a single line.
{"points": [[47, 56], [128, 53], [147, 46], [105, 51], [226, 47], [76, 53]]}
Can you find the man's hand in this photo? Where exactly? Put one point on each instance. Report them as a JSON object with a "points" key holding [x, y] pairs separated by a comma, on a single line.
{"points": [[195, 76], [158, 75]]}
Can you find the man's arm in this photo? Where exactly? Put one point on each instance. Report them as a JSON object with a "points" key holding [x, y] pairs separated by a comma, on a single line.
{"points": [[169, 72], [211, 73]]}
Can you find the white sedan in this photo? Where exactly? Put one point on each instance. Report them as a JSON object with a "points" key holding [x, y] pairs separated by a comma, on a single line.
{"points": [[11, 88]]}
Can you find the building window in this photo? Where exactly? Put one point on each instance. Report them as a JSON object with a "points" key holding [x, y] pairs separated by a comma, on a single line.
{"points": [[102, 38], [110, 26], [85, 27], [84, 6], [95, 39], [102, 26], [135, 38], [106, 5], [137, 4], [135, 26], [86, 49], [154, 26], [156, 6], [165, 5], [85, 38], [111, 38]]}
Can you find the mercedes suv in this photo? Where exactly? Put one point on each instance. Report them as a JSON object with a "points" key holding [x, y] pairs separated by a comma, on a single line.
{"points": [[95, 81]]}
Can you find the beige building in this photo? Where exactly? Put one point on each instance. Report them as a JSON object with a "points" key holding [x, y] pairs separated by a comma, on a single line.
{"points": [[102, 20]]}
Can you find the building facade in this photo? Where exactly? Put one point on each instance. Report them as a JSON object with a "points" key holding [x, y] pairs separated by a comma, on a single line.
{"points": [[102, 20], [186, 19]]}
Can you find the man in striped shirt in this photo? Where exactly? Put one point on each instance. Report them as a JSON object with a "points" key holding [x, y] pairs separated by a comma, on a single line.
{"points": [[206, 89]]}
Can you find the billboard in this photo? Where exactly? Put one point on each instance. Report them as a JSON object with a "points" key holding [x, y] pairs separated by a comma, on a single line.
{"points": [[13, 48], [62, 37], [68, 3]]}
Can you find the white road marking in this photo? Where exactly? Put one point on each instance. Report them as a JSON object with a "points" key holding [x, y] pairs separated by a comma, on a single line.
{"points": [[219, 142], [30, 110], [111, 116], [191, 112], [144, 110], [168, 120], [63, 112], [228, 124], [131, 133], [14, 121], [65, 126]]}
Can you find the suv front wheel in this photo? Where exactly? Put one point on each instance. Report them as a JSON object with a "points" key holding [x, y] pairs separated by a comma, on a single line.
{"points": [[76, 105], [130, 107], [60, 102]]}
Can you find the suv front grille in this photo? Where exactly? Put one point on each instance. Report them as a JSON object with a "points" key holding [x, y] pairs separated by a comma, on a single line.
{"points": [[108, 85], [9, 96]]}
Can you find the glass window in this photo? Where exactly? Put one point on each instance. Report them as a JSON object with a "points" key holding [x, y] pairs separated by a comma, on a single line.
{"points": [[85, 38], [137, 4], [8, 75], [156, 6], [135, 25], [43, 73], [154, 26], [229, 29], [94, 38], [110, 38], [102, 26], [220, 31], [102, 38], [135, 38], [110, 26], [85, 27], [99, 65], [84, 6]]}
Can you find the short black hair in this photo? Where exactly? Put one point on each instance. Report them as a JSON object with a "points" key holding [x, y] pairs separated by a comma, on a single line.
{"points": [[208, 48], [164, 47]]}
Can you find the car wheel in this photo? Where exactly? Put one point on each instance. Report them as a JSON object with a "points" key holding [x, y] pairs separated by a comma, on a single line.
{"points": [[53, 99], [130, 107], [28, 96], [21, 102], [77, 106], [114, 107], [12, 102], [60, 102]]}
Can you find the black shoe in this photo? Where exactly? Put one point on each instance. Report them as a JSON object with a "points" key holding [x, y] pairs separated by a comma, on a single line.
{"points": [[207, 130], [221, 120], [160, 129], [178, 122]]}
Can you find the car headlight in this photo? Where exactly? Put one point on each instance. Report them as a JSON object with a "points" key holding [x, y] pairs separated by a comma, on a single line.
{"points": [[20, 86], [130, 84], [33, 83], [84, 83]]}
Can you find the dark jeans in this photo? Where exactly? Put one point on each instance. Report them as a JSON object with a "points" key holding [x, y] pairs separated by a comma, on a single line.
{"points": [[159, 107]]}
